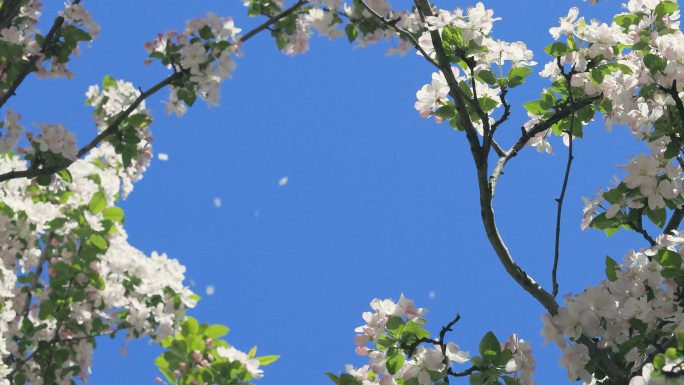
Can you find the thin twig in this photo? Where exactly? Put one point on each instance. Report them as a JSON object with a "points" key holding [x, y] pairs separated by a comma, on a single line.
{"points": [[638, 227], [554, 293], [544, 125]]}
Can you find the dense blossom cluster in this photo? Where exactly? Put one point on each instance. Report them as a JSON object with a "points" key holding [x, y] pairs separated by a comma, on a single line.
{"points": [[400, 355]]}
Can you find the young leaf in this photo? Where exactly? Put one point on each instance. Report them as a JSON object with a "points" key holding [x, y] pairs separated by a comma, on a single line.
{"points": [[611, 269], [114, 214], [489, 343], [216, 331], [97, 203], [557, 49], [265, 360]]}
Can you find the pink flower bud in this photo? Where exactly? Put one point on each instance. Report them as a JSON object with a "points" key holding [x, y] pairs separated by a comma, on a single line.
{"points": [[208, 341], [362, 351], [159, 380], [211, 357], [361, 339], [176, 373], [183, 365], [124, 351], [197, 355]]}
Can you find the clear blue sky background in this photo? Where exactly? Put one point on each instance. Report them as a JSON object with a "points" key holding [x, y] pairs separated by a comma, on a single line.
{"points": [[378, 201]]}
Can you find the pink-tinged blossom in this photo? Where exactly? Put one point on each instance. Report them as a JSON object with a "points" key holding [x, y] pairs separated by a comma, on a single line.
{"points": [[575, 357], [641, 170], [624, 202], [551, 332], [656, 192], [11, 138], [568, 24], [251, 364], [522, 360], [57, 139], [454, 353], [425, 359], [478, 24]]}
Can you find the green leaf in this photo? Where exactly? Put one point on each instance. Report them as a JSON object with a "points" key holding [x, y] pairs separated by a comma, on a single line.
{"points": [[252, 352], [189, 327], [395, 360], [56, 223], [99, 242], [510, 380], [489, 343], [617, 66], [254, 10], [516, 76], [557, 49], [107, 82], [657, 216], [487, 77], [216, 331], [348, 379], [351, 32], [66, 175], [168, 373], [669, 258], [395, 324], [638, 325], [385, 343], [478, 378], [625, 21], [114, 214], [44, 180], [487, 104], [535, 107], [281, 41], [333, 377], [205, 33], [596, 76], [665, 7], [265, 360], [447, 111], [659, 361], [97, 203], [611, 269]]}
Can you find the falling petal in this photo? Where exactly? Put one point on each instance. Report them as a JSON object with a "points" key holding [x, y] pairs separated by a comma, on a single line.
{"points": [[163, 156], [282, 181], [210, 290], [217, 202]]}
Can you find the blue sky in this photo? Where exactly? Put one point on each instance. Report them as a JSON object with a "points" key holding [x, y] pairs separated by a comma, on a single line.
{"points": [[378, 201]]}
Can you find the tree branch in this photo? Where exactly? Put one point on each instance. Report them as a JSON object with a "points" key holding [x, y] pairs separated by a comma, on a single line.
{"points": [[401, 31], [561, 114], [272, 20], [675, 221], [30, 173]]}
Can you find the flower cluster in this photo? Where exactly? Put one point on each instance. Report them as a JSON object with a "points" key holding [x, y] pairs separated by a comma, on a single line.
{"points": [[203, 53], [399, 355]]}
